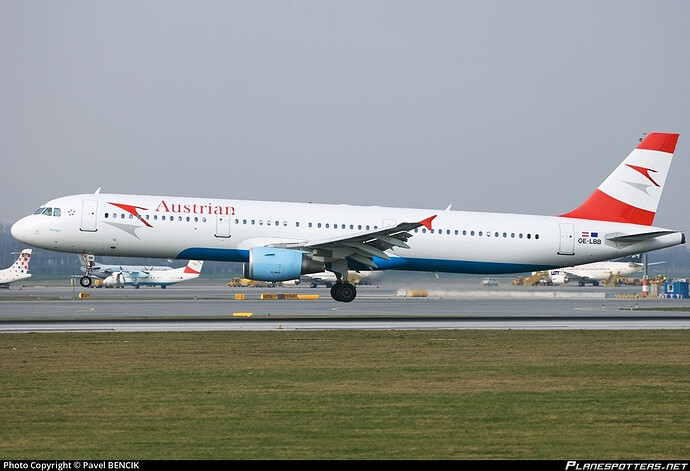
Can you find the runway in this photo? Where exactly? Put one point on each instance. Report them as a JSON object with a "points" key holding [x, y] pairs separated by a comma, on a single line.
{"points": [[213, 306]]}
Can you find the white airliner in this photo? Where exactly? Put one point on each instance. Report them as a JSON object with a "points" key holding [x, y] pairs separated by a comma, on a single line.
{"points": [[161, 278], [279, 241], [19, 270], [98, 270], [594, 272]]}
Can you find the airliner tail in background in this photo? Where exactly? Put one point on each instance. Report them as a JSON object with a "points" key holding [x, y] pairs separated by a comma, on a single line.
{"points": [[19, 270], [281, 241]]}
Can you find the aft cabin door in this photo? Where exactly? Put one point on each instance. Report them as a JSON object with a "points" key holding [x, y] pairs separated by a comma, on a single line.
{"points": [[223, 225], [567, 245], [88, 215]]}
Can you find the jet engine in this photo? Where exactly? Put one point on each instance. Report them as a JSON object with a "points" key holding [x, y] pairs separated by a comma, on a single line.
{"points": [[275, 264]]}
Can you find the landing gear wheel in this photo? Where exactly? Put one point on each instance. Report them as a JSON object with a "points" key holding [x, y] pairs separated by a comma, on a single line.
{"points": [[85, 281], [348, 292], [343, 292]]}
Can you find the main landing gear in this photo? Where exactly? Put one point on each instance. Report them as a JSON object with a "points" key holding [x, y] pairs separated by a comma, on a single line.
{"points": [[343, 291]]}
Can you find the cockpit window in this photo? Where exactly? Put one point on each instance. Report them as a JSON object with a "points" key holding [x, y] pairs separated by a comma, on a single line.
{"points": [[39, 210], [57, 212], [48, 211]]}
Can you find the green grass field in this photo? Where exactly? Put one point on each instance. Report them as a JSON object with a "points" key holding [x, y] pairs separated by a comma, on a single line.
{"points": [[450, 394]]}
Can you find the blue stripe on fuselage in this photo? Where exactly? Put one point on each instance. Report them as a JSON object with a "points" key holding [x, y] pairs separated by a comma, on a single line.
{"points": [[463, 266], [219, 255], [395, 263], [448, 266]]}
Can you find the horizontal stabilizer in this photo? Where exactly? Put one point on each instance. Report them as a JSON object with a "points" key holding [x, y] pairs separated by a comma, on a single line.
{"points": [[632, 238]]}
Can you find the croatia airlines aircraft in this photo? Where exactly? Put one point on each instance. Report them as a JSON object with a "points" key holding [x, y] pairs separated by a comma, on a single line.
{"points": [[19, 270], [280, 241], [98, 270], [162, 278]]}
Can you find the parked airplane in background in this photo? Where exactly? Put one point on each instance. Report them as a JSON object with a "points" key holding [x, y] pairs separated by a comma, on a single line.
{"points": [[19, 270], [160, 278], [593, 273], [280, 241], [91, 269]]}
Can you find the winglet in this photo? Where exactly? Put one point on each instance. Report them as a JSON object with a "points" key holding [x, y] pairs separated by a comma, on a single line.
{"points": [[427, 222]]}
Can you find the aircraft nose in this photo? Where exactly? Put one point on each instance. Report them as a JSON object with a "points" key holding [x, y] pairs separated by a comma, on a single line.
{"points": [[21, 230]]}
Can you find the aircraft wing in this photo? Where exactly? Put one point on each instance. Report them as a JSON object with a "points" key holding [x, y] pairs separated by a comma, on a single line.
{"points": [[361, 247]]}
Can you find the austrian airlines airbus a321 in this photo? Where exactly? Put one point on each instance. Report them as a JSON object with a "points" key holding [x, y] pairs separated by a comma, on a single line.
{"points": [[279, 241]]}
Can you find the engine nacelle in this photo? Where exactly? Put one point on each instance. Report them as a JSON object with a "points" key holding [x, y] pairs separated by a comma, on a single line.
{"points": [[275, 264]]}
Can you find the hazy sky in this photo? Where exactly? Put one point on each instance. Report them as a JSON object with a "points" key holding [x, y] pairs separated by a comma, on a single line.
{"points": [[506, 106]]}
